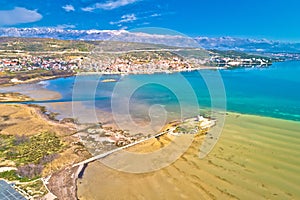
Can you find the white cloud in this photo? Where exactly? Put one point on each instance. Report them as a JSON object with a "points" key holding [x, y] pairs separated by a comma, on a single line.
{"points": [[88, 9], [123, 28], [68, 8], [125, 19], [18, 16], [109, 5], [132, 17], [155, 15], [65, 26]]}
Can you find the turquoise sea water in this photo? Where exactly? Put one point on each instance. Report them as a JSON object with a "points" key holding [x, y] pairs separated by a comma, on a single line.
{"points": [[273, 91]]}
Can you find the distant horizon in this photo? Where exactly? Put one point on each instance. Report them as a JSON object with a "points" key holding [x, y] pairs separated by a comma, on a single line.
{"points": [[180, 34], [271, 19]]}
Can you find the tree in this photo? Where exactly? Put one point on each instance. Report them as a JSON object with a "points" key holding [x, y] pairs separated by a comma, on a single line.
{"points": [[30, 170], [20, 139], [48, 158]]}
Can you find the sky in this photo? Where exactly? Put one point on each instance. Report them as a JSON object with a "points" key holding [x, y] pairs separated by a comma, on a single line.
{"points": [[270, 19]]}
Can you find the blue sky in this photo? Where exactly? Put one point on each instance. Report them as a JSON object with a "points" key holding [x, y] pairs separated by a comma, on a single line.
{"points": [[271, 19]]}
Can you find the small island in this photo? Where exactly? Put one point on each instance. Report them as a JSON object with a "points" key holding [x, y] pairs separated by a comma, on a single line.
{"points": [[108, 80]]}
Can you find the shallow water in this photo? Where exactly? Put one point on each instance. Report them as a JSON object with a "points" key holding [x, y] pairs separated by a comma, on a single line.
{"points": [[255, 158], [272, 91]]}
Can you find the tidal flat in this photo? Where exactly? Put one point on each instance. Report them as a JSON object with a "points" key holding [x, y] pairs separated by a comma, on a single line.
{"points": [[255, 158]]}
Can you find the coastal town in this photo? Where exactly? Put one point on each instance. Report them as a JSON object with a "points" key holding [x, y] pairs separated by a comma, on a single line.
{"points": [[154, 62], [228, 62], [31, 63], [19, 57]]}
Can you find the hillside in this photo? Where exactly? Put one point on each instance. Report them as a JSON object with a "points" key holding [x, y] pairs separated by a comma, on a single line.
{"points": [[219, 43], [44, 46]]}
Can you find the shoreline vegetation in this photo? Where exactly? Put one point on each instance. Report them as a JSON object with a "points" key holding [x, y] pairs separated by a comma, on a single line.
{"points": [[13, 96], [23, 133]]}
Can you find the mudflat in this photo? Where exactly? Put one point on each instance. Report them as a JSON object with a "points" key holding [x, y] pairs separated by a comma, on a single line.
{"points": [[18, 119], [256, 157]]}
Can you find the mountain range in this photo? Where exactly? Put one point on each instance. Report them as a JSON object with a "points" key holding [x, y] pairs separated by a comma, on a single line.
{"points": [[219, 43]]}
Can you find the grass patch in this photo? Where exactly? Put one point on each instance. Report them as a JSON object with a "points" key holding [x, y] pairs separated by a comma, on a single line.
{"points": [[31, 150], [13, 176], [30, 154], [6, 142], [35, 189]]}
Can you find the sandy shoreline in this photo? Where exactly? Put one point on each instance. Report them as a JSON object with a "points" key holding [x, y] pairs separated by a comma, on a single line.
{"points": [[255, 157], [34, 92], [34, 80]]}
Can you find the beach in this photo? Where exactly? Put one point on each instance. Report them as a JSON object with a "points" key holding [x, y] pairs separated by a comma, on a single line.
{"points": [[256, 157], [33, 91]]}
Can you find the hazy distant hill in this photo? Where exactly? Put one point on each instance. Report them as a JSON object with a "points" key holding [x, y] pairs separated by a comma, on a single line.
{"points": [[32, 44], [222, 43], [9, 46], [247, 45], [92, 35]]}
